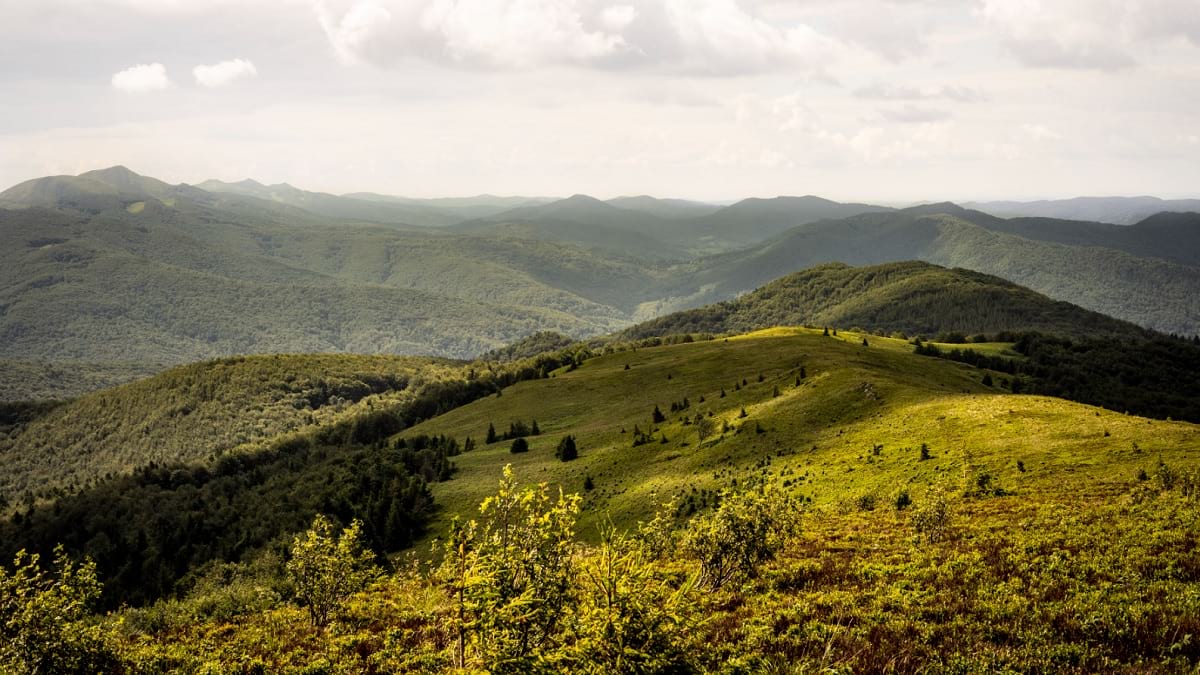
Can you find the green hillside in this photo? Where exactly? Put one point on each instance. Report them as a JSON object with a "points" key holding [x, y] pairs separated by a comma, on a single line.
{"points": [[911, 297], [821, 427], [113, 267], [195, 413], [1147, 291], [931, 509]]}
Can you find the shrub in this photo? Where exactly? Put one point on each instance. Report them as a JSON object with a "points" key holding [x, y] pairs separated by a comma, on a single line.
{"points": [[326, 569], [931, 518], [745, 531], [44, 618], [519, 445]]}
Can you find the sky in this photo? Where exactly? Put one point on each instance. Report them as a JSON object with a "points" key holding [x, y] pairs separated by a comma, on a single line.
{"points": [[892, 101]]}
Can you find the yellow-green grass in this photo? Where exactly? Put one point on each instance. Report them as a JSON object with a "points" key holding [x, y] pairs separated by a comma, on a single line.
{"points": [[818, 438]]}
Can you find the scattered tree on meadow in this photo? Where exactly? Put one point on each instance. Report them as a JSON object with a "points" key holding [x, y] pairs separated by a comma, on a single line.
{"points": [[519, 445], [566, 450]]}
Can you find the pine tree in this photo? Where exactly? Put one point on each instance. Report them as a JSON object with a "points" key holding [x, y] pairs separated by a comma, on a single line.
{"points": [[491, 434], [657, 416], [518, 446], [566, 450], [534, 430]]}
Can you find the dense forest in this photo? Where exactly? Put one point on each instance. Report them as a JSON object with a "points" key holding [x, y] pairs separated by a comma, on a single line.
{"points": [[1142, 378]]}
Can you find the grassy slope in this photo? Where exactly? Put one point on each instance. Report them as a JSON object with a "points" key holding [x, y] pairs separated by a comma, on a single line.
{"points": [[819, 435], [192, 413]]}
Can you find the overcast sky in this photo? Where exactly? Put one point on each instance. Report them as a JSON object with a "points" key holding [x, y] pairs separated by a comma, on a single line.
{"points": [[898, 101]]}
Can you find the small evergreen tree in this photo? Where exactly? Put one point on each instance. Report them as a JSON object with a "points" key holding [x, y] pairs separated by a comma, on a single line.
{"points": [[566, 450], [491, 434], [657, 416], [519, 445]]}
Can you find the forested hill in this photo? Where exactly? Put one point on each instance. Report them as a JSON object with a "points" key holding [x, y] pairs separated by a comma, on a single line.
{"points": [[910, 297]]}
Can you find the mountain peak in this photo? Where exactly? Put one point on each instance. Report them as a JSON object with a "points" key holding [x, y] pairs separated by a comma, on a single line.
{"points": [[118, 172], [582, 199]]}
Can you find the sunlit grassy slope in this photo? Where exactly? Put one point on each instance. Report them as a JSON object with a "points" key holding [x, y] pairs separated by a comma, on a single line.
{"points": [[818, 437]]}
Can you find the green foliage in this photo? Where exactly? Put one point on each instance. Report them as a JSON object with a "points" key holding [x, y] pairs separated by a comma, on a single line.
{"points": [[1140, 377], [745, 531], [519, 445], [509, 575], [932, 517], [626, 615], [326, 568], [566, 450], [46, 624]]}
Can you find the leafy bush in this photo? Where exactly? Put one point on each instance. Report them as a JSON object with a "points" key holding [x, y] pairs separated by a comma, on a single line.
{"points": [[746, 530], [45, 621], [327, 568]]}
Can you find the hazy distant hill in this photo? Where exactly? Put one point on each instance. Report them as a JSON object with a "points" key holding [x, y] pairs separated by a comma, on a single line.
{"points": [[658, 228], [911, 297], [135, 278], [665, 208], [1118, 210], [113, 267], [585, 221], [753, 220], [463, 208], [335, 207]]}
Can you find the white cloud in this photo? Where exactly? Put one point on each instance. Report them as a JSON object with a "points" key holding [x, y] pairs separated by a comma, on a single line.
{"points": [[517, 33], [223, 73], [618, 17], [704, 36], [899, 92], [1039, 132], [1098, 34], [142, 78], [719, 36], [910, 114]]}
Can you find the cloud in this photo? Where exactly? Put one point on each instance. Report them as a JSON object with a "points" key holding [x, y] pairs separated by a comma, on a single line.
{"points": [[700, 36], [223, 73], [914, 115], [1091, 34], [144, 77], [1040, 132], [898, 92]]}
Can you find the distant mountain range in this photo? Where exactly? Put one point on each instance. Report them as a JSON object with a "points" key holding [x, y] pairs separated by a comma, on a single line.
{"points": [[113, 267], [1116, 210]]}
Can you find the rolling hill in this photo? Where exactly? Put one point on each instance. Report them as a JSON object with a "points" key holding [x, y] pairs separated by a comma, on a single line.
{"points": [[1149, 291], [1040, 500], [910, 297], [196, 413], [112, 267]]}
